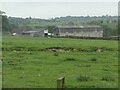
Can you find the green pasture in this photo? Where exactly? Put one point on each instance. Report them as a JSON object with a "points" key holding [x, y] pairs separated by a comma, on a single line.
{"points": [[38, 62]]}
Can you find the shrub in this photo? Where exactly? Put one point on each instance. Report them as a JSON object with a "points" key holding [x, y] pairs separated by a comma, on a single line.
{"points": [[70, 59], [108, 78], [93, 59], [83, 78], [55, 54]]}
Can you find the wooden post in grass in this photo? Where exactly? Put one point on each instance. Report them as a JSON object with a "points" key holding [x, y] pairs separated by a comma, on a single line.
{"points": [[60, 83]]}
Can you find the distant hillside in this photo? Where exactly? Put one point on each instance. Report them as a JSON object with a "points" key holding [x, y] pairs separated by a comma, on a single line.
{"points": [[109, 23]]}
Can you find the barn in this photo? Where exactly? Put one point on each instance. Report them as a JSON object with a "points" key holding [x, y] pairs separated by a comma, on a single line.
{"points": [[34, 33], [80, 31]]}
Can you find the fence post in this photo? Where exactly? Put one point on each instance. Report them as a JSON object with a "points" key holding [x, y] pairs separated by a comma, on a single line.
{"points": [[60, 83]]}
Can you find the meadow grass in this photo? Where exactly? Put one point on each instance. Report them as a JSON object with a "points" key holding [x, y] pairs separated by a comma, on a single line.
{"points": [[28, 63]]}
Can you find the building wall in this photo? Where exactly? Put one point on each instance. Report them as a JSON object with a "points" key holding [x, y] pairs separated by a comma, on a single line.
{"points": [[38, 34], [41, 34], [81, 32]]}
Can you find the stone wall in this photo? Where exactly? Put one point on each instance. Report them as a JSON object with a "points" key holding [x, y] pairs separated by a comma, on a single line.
{"points": [[81, 32]]}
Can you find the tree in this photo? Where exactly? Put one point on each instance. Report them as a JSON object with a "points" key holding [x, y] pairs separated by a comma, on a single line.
{"points": [[27, 27], [52, 29], [1, 12], [70, 23], [7, 26], [5, 23], [107, 31]]}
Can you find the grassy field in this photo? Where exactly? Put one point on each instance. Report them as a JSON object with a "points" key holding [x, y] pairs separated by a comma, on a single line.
{"points": [[38, 62]]}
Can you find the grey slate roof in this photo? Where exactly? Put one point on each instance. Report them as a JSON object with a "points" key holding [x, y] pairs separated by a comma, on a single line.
{"points": [[87, 26]]}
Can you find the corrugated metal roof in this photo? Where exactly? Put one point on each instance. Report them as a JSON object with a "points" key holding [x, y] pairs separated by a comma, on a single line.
{"points": [[32, 31]]}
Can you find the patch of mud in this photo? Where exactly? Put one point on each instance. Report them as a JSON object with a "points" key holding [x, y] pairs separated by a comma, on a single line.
{"points": [[56, 50], [61, 49], [92, 49]]}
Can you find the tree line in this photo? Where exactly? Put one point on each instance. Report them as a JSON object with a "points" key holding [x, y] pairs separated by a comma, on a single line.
{"points": [[109, 23]]}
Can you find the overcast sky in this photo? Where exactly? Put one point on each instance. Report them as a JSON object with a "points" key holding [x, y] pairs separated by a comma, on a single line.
{"points": [[59, 0], [59, 8]]}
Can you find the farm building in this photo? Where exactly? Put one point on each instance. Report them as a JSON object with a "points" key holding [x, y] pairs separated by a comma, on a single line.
{"points": [[79, 31], [18, 31], [34, 33]]}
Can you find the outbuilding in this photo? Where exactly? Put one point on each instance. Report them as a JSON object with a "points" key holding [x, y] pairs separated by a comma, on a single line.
{"points": [[80, 31], [34, 33]]}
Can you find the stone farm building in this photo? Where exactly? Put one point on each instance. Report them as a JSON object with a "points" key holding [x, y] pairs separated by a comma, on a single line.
{"points": [[79, 31]]}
